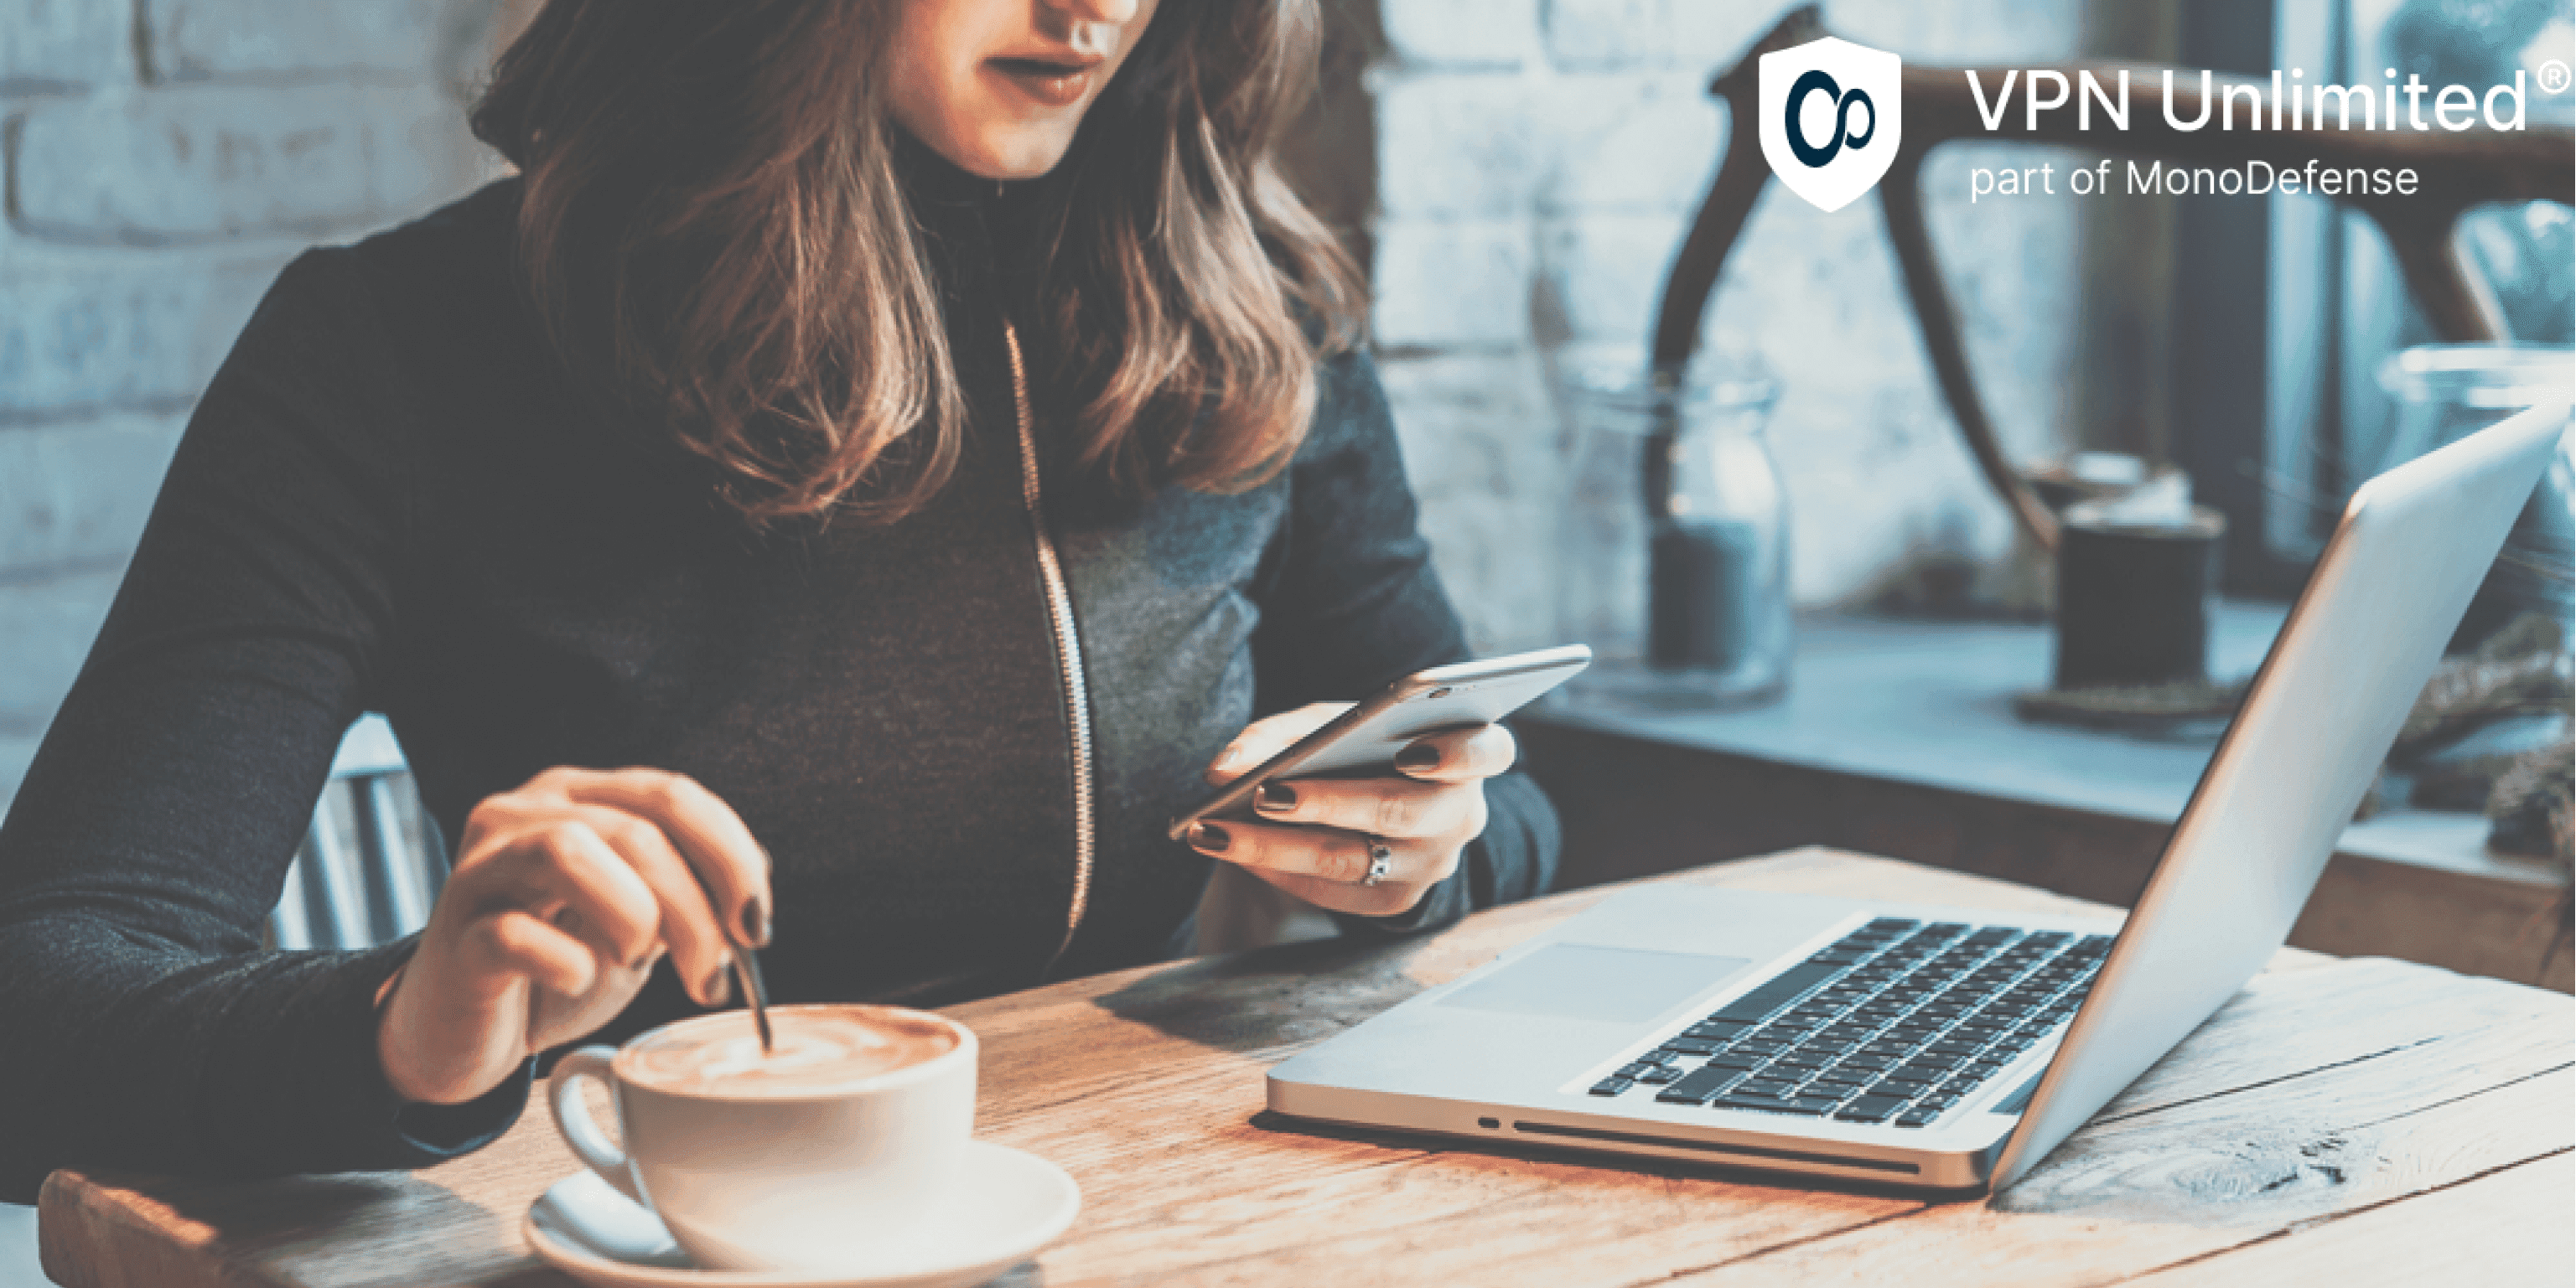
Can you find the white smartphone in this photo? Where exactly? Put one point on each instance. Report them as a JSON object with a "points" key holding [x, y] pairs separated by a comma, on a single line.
{"points": [[1366, 738]]}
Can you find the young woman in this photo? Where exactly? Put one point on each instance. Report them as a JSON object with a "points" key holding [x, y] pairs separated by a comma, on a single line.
{"points": [[870, 468]]}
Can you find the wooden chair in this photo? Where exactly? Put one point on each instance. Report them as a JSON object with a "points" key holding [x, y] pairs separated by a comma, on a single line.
{"points": [[2457, 170], [371, 866]]}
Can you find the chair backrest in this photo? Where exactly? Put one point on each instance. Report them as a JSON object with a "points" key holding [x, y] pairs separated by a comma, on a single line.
{"points": [[371, 866]]}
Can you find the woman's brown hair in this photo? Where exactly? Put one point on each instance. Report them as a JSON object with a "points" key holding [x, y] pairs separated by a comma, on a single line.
{"points": [[712, 231]]}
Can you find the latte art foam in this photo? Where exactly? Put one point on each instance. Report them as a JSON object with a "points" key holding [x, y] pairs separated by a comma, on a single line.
{"points": [[818, 1050]]}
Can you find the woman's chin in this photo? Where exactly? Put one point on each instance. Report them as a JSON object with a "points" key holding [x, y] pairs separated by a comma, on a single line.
{"points": [[1013, 151]]}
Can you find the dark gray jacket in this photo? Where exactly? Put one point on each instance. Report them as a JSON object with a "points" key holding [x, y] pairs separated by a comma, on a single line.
{"points": [[388, 500]]}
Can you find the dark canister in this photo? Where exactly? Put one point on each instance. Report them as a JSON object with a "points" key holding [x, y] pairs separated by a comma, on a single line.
{"points": [[2135, 592]]}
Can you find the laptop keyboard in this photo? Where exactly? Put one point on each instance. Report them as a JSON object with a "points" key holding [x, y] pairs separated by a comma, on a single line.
{"points": [[1895, 1022]]}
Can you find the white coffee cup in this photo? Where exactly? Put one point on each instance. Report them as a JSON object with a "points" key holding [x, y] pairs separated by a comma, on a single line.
{"points": [[838, 1177]]}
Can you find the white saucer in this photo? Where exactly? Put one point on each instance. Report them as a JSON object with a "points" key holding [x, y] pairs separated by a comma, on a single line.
{"points": [[1019, 1202]]}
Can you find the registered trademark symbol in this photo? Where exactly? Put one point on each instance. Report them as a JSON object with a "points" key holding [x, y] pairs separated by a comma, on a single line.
{"points": [[2554, 77]]}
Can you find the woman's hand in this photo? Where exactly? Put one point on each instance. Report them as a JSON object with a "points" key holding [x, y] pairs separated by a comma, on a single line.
{"points": [[565, 893], [1319, 834]]}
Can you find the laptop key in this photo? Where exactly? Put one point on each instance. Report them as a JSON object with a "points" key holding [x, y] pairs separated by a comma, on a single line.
{"points": [[1917, 1117], [1808, 1106], [1780, 991], [1691, 1046], [1657, 1075], [1713, 1030], [1869, 1109], [1638, 1070], [1611, 1086], [1696, 1086]]}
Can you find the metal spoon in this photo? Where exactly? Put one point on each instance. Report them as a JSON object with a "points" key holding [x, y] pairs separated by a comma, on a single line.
{"points": [[746, 969]]}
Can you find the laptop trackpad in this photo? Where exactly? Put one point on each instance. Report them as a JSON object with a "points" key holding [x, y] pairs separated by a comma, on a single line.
{"points": [[1582, 982]]}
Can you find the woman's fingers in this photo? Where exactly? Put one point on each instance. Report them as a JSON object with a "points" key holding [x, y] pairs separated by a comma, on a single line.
{"points": [[1460, 755], [566, 891], [561, 870], [520, 943], [1335, 857], [627, 861], [1265, 738], [719, 849], [701, 952], [1390, 807]]}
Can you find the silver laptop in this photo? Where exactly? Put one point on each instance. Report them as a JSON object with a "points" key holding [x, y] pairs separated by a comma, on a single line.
{"points": [[1946, 1048]]}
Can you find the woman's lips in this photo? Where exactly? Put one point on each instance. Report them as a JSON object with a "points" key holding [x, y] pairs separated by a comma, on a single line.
{"points": [[1051, 83]]}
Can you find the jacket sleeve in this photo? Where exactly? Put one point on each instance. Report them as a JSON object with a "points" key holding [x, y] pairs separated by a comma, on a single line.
{"points": [[1352, 603], [146, 1029]]}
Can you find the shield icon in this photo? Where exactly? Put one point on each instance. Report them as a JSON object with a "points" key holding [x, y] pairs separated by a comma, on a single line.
{"points": [[1831, 115]]}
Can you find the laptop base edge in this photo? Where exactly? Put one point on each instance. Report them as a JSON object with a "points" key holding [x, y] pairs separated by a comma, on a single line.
{"points": [[1930, 1172]]}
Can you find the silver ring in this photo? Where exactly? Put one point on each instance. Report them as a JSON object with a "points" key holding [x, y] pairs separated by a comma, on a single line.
{"points": [[1381, 859]]}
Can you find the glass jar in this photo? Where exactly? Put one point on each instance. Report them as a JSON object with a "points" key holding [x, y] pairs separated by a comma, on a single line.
{"points": [[1675, 540]]}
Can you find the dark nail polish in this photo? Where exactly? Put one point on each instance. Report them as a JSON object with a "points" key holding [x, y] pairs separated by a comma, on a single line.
{"points": [[1276, 796], [1210, 837], [755, 923], [1421, 755], [718, 986]]}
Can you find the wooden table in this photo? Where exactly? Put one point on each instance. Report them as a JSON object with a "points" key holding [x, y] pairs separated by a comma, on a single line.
{"points": [[2342, 1121]]}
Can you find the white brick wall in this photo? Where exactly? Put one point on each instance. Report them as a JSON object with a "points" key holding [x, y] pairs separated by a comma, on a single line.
{"points": [[220, 39], [59, 44], [68, 497], [1538, 163], [202, 164], [163, 159]]}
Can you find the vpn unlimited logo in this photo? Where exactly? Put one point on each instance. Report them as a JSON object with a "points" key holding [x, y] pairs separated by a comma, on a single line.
{"points": [[1832, 112]]}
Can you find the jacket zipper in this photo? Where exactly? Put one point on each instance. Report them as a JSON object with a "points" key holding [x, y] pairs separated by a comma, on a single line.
{"points": [[1068, 650]]}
